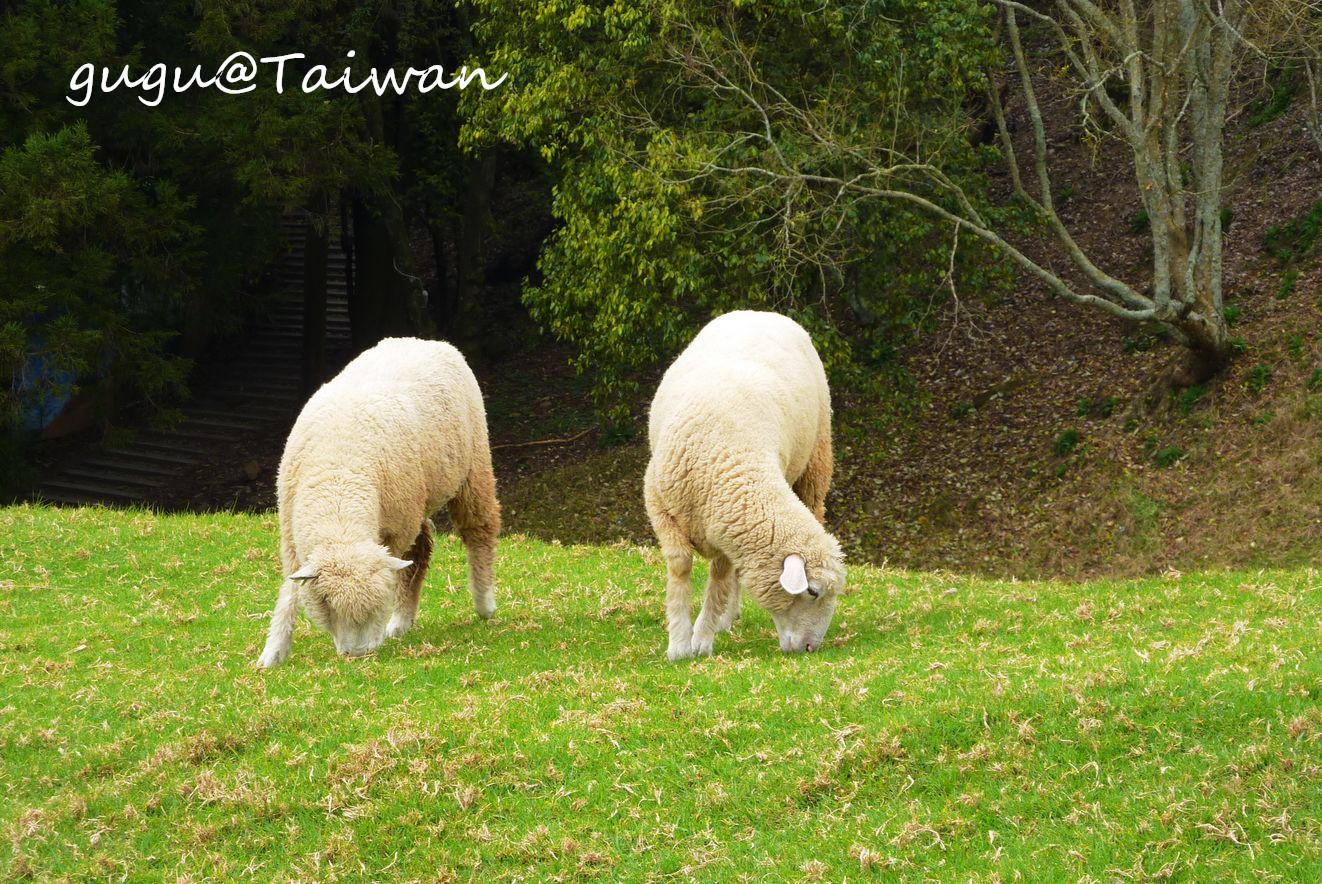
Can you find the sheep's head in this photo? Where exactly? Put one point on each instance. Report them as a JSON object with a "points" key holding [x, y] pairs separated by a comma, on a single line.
{"points": [[349, 590], [805, 597]]}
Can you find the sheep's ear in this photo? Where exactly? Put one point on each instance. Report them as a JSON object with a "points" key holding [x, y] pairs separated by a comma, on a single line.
{"points": [[397, 564], [307, 572], [793, 579]]}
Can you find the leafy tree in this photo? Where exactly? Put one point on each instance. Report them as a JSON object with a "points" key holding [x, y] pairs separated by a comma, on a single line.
{"points": [[83, 274], [654, 238]]}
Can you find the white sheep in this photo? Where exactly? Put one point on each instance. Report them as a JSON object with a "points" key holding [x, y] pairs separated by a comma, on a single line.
{"points": [[740, 435], [390, 440]]}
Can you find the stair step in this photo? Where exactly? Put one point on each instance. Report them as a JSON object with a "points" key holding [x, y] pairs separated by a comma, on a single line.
{"points": [[131, 463], [116, 477], [210, 409], [147, 450], [198, 434], [94, 489], [214, 423], [175, 447], [66, 498], [246, 415], [259, 399], [266, 384]]}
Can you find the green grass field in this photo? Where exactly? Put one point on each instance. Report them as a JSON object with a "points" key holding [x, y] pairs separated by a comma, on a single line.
{"points": [[951, 729]]}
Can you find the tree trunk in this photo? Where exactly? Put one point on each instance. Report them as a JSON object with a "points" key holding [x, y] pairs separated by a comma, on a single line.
{"points": [[316, 250], [364, 323], [470, 239], [444, 300]]}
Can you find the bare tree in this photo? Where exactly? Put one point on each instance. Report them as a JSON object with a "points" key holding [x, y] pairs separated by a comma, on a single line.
{"points": [[1156, 76], [1292, 34]]}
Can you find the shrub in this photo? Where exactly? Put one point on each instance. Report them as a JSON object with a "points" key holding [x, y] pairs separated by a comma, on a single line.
{"points": [[961, 410], [1258, 379], [1066, 442], [1168, 456], [1294, 238], [1286, 288], [1188, 398]]}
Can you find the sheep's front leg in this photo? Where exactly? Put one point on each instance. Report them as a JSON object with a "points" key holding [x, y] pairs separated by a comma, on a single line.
{"points": [[715, 607], [280, 635], [410, 583]]}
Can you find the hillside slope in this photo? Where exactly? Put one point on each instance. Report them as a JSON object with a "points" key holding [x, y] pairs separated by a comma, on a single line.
{"points": [[1021, 459]]}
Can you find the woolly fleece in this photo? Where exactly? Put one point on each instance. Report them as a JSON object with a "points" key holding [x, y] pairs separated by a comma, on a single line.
{"points": [[740, 437], [398, 434]]}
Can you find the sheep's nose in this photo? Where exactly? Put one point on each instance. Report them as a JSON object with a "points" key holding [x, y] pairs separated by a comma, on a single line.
{"points": [[809, 647]]}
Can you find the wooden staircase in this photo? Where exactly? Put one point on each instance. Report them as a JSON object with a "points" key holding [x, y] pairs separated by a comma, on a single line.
{"points": [[259, 391]]}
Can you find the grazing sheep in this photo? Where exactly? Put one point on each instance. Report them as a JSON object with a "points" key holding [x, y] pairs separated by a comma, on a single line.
{"points": [[740, 435], [394, 437]]}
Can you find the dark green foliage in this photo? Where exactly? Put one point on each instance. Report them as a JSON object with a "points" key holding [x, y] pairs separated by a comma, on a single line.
{"points": [[1296, 345], [1232, 312], [132, 237], [1066, 442], [1314, 382], [1097, 408], [85, 266], [1238, 346], [1292, 240], [1139, 343], [1227, 218], [1168, 456], [1140, 223], [649, 247], [962, 410], [1288, 280], [1259, 376]]}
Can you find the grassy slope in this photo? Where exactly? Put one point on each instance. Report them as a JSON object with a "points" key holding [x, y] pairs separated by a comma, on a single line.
{"points": [[953, 728]]}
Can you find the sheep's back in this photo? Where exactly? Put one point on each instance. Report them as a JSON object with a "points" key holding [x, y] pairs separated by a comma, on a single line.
{"points": [[403, 420], [750, 385]]}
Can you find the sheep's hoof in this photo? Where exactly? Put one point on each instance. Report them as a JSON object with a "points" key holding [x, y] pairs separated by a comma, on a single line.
{"points": [[485, 605], [702, 647], [272, 657], [679, 652]]}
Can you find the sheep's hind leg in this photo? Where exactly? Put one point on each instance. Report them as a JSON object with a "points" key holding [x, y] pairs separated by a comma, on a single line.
{"points": [[410, 582], [732, 608], [715, 607], [280, 635], [812, 486], [475, 512], [679, 565]]}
